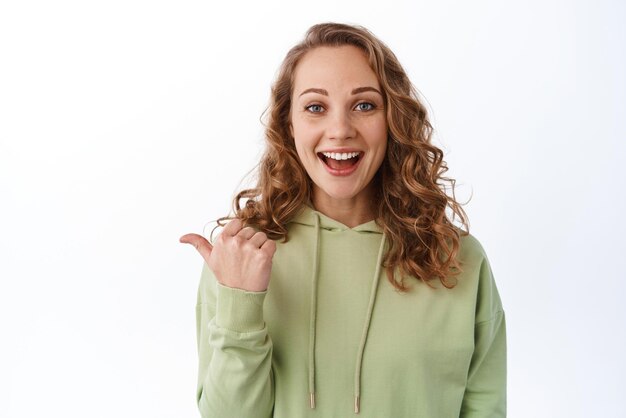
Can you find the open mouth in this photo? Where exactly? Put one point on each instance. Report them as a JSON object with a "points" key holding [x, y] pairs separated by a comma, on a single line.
{"points": [[340, 161]]}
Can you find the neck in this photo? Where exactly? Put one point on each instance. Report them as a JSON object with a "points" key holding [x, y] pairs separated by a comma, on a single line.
{"points": [[350, 212]]}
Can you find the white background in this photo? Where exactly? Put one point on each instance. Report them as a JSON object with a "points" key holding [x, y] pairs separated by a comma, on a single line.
{"points": [[125, 124]]}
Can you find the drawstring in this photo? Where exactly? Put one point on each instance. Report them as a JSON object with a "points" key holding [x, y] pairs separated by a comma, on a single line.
{"points": [[313, 318], [368, 320], [313, 314]]}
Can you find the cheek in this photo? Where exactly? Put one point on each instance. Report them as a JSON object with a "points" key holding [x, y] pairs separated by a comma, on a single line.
{"points": [[305, 137], [304, 150], [300, 128], [382, 128], [379, 136], [380, 144]]}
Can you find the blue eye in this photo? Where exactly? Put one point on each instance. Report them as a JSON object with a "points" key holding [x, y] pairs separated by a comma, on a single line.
{"points": [[365, 106], [314, 108]]}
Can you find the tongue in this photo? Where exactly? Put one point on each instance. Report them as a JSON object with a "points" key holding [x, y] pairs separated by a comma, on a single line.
{"points": [[339, 165]]}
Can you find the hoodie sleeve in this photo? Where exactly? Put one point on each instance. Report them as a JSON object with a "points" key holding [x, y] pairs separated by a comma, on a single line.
{"points": [[485, 393], [235, 352]]}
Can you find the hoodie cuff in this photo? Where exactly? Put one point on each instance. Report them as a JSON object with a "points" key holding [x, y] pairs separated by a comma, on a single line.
{"points": [[239, 310]]}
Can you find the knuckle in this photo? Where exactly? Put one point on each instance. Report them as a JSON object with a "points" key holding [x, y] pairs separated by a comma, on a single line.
{"points": [[268, 252]]}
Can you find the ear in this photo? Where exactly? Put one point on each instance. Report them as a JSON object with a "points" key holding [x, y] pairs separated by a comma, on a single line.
{"points": [[291, 130]]}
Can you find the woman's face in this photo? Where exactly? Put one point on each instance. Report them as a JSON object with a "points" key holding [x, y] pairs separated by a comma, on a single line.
{"points": [[338, 122]]}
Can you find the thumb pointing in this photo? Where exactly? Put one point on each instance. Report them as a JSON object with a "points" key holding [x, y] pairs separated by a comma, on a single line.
{"points": [[200, 243]]}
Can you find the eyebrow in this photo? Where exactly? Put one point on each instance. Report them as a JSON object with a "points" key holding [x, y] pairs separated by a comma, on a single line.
{"points": [[355, 91]]}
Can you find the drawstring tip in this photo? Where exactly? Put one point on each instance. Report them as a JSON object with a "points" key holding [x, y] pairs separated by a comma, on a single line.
{"points": [[357, 404], [312, 400]]}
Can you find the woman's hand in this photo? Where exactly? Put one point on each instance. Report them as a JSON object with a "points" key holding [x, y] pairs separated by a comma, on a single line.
{"points": [[240, 258]]}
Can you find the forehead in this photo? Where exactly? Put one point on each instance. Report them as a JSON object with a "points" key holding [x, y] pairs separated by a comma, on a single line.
{"points": [[334, 68]]}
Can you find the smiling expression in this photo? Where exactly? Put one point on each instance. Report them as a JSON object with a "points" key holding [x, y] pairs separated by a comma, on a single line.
{"points": [[338, 123]]}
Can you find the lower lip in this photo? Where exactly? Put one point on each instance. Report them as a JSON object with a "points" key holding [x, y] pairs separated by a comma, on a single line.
{"points": [[344, 172]]}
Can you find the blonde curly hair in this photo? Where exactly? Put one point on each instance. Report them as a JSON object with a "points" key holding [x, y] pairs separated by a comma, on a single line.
{"points": [[412, 202]]}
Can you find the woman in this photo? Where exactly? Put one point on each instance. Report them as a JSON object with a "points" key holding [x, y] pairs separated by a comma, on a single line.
{"points": [[293, 317]]}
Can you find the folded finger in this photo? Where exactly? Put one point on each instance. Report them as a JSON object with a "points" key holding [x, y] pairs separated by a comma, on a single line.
{"points": [[269, 247], [258, 239], [246, 233], [233, 227]]}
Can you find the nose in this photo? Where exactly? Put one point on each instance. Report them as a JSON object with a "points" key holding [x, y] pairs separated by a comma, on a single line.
{"points": [[340, 126]]}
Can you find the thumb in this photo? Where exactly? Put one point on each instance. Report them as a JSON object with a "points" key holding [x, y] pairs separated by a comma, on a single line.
{"points": [[202, 245]]}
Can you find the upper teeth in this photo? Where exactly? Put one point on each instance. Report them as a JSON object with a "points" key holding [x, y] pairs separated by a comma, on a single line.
{"points": [[340, 155]]}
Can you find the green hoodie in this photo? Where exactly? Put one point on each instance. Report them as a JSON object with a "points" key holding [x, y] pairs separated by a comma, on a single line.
{"points": [[331, 336]]}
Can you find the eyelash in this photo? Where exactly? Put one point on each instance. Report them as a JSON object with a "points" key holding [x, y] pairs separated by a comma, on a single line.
{"points": [[372, 107]]}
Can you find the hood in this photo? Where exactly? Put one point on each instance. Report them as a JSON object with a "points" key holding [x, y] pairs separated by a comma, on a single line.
{"points": [[310, 217]]}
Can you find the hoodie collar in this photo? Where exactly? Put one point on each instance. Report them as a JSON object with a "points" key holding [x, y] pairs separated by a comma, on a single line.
{"points": [[308, 215]]}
